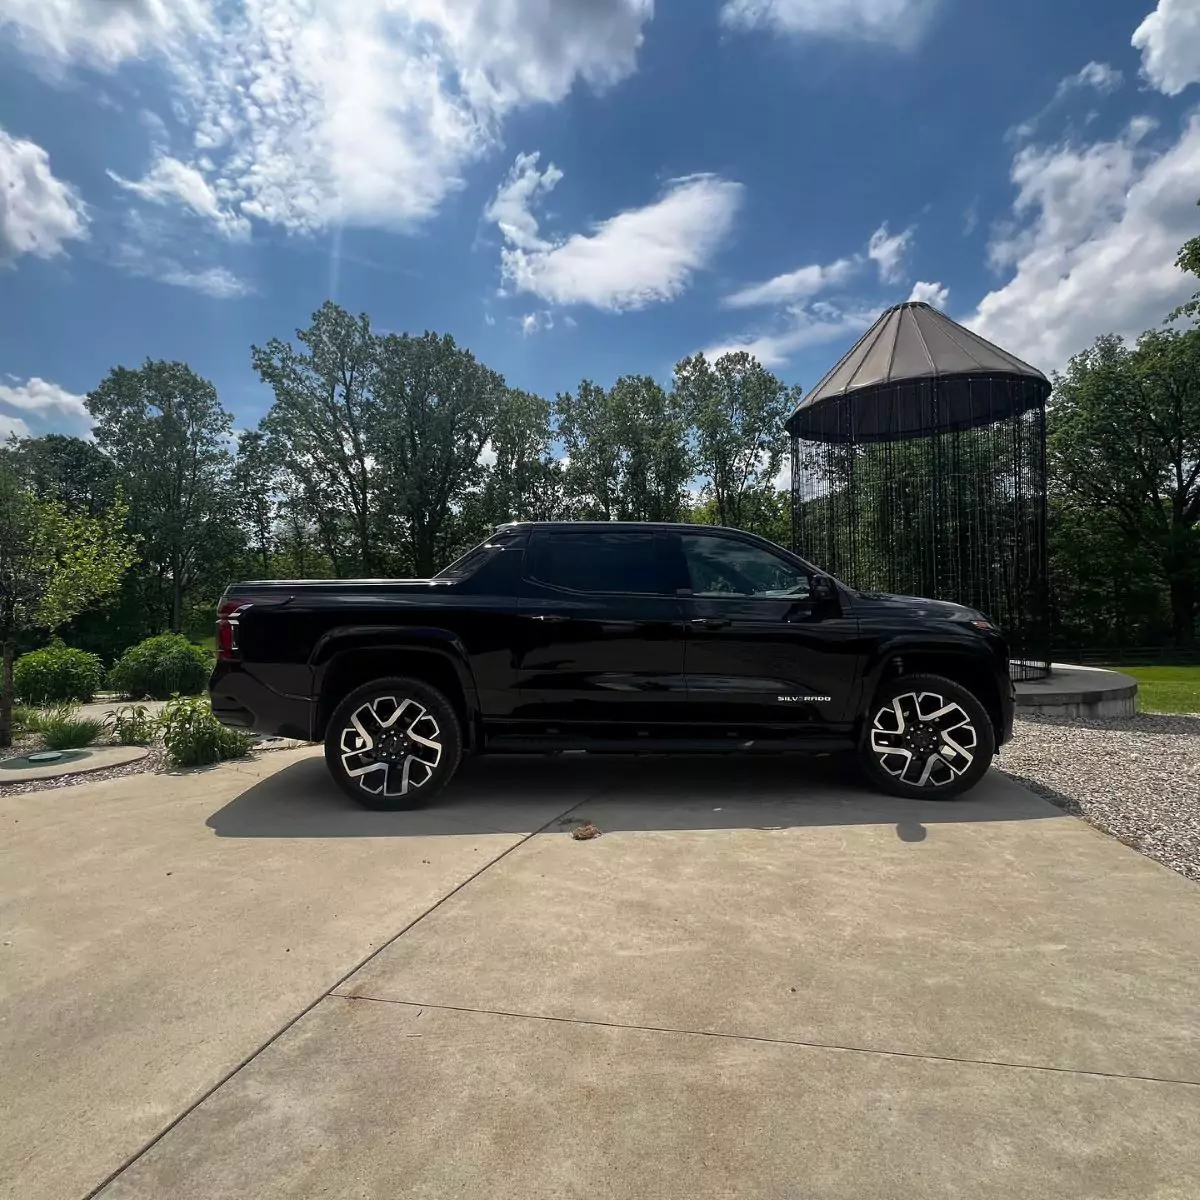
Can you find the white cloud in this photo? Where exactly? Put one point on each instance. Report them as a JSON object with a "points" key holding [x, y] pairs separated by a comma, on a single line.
{"points": [[801, 327], [1097, 75], [535, 322], [170, 180], [795, 285], [888, 252], [217, 282], [896, 22], [99, 33], [152, 249], [324, 112], [12, 427], [38, 212], [53, 407], [1169, 39], [930, 293], [639, 257], [1093, 245]]}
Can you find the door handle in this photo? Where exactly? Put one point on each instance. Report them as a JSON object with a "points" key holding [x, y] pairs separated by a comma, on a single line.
{"points": [[550, 618], [710, 622]]}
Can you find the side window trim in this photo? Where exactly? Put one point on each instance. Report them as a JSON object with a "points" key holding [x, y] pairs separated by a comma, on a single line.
{"points": [[539, 539]]}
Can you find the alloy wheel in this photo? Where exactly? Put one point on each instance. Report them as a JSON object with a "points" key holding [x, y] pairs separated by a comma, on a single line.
{"points": [[924, 739], [391, 746]]}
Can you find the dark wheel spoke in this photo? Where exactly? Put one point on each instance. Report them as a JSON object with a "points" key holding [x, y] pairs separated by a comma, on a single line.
{"points": [[391, 746]]}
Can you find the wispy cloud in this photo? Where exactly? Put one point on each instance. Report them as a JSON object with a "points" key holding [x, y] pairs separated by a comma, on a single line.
{"points": [[900, 23], [795, 285], [635, 258]]}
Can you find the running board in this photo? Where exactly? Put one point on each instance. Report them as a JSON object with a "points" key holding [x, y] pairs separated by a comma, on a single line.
{"points": [[517, 744]]}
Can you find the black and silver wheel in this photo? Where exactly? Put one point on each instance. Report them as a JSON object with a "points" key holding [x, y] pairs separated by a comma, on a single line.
{"points": [[393, 743], [926, 738]]}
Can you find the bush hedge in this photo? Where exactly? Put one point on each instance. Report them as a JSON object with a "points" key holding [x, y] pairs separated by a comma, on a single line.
{"points": [[161, 667], [57, 674]]}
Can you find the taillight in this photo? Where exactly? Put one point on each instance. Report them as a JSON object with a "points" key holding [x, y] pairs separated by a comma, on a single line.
{"points": [[227, 627]]}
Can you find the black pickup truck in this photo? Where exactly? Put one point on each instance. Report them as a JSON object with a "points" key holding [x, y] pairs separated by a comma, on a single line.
{"points": [[612, 637]]}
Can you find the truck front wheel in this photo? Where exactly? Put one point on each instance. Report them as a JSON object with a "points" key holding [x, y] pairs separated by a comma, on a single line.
{"points": [[926, 738], [393, 743]]}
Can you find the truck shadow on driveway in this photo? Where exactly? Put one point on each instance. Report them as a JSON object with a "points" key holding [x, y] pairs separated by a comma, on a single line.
{"points": [[619, 793]]}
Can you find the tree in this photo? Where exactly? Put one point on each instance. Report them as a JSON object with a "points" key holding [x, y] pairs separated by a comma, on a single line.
{"points": [[1189, 262], [524, 482], [736, 410], [53, 565], [256, 487], [318, 430], [437, 407], [165, 428], [627, 450], [1124, 435], [68, 469]]}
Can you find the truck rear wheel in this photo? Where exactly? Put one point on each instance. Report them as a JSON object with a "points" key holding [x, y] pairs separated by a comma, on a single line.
{"points": [[393, 743], [926, 738]]}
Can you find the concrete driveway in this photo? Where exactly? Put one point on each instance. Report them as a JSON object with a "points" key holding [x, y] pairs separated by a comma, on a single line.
{"points": [[760, 981]]}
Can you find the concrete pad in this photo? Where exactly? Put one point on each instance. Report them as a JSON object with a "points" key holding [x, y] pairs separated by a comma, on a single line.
{"points": [[364, 1099], [747, 898], [143, 956], [94, 758]]}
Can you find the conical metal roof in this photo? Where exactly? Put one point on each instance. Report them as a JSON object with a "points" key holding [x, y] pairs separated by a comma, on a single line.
{"points": [[914, 371]]}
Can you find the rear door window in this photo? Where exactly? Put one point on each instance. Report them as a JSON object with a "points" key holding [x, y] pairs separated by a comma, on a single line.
{"points": [[600, 561]]}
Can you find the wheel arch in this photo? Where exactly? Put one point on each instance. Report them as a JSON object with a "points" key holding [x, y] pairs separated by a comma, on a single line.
{"points": [[349, 662], [975, 672]]}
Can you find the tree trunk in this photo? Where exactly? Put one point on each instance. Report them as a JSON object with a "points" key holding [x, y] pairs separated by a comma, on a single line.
{"points": [[176, 603], [1183, 610], [6, 696]]}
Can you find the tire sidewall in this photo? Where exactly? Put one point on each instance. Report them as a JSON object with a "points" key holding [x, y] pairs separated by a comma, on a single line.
{"points": [[985, 733], [450, 733]]}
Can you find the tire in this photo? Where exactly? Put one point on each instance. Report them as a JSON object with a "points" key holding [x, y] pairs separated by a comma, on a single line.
{"points": [[386, 774], [926, 738]]}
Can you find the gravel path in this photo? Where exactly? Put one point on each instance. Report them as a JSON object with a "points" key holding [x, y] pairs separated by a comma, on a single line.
{"points": [[1137, 778]]}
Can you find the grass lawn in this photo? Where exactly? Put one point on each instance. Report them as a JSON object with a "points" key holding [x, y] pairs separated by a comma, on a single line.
{"points": [[1166, 689]]}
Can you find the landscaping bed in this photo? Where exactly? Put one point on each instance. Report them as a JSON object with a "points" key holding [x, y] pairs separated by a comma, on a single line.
{"points": [[1136, 778]]}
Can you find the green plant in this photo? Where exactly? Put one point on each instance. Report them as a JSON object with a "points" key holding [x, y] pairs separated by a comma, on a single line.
{"points": [[57, 673], [24, 720], [194, 737], [161, 667], [133, 725], [62, 728]]}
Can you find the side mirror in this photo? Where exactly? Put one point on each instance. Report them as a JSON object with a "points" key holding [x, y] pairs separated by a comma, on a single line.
{"points": [[822, 588]]}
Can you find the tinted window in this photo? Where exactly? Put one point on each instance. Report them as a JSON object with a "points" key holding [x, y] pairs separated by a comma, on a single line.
{"points": [[721, 566], [597, 561]]}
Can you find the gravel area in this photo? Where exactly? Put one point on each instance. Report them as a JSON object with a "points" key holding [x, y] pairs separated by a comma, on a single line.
{"points": [[1137, 778]]}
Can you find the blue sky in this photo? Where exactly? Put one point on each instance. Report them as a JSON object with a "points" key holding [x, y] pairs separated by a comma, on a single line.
{"points": [[580, 188]]}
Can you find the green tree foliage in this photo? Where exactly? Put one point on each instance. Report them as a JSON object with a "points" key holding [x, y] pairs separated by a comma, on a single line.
{"points": [[256, 488], [627, 451], [70, 470], [319, 431], [437, 408], [53, 565], [1124, 438], [736, 409], [164, 427]]}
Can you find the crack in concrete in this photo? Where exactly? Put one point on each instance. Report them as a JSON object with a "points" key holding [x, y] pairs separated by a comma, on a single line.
{"points": [[329, 992], [772, 1041]]}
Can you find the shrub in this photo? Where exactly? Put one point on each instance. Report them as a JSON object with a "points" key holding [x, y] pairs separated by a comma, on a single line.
{"points": [[57, 673], [194, 737], [161, 667], [63, 728], [133, 725]]}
